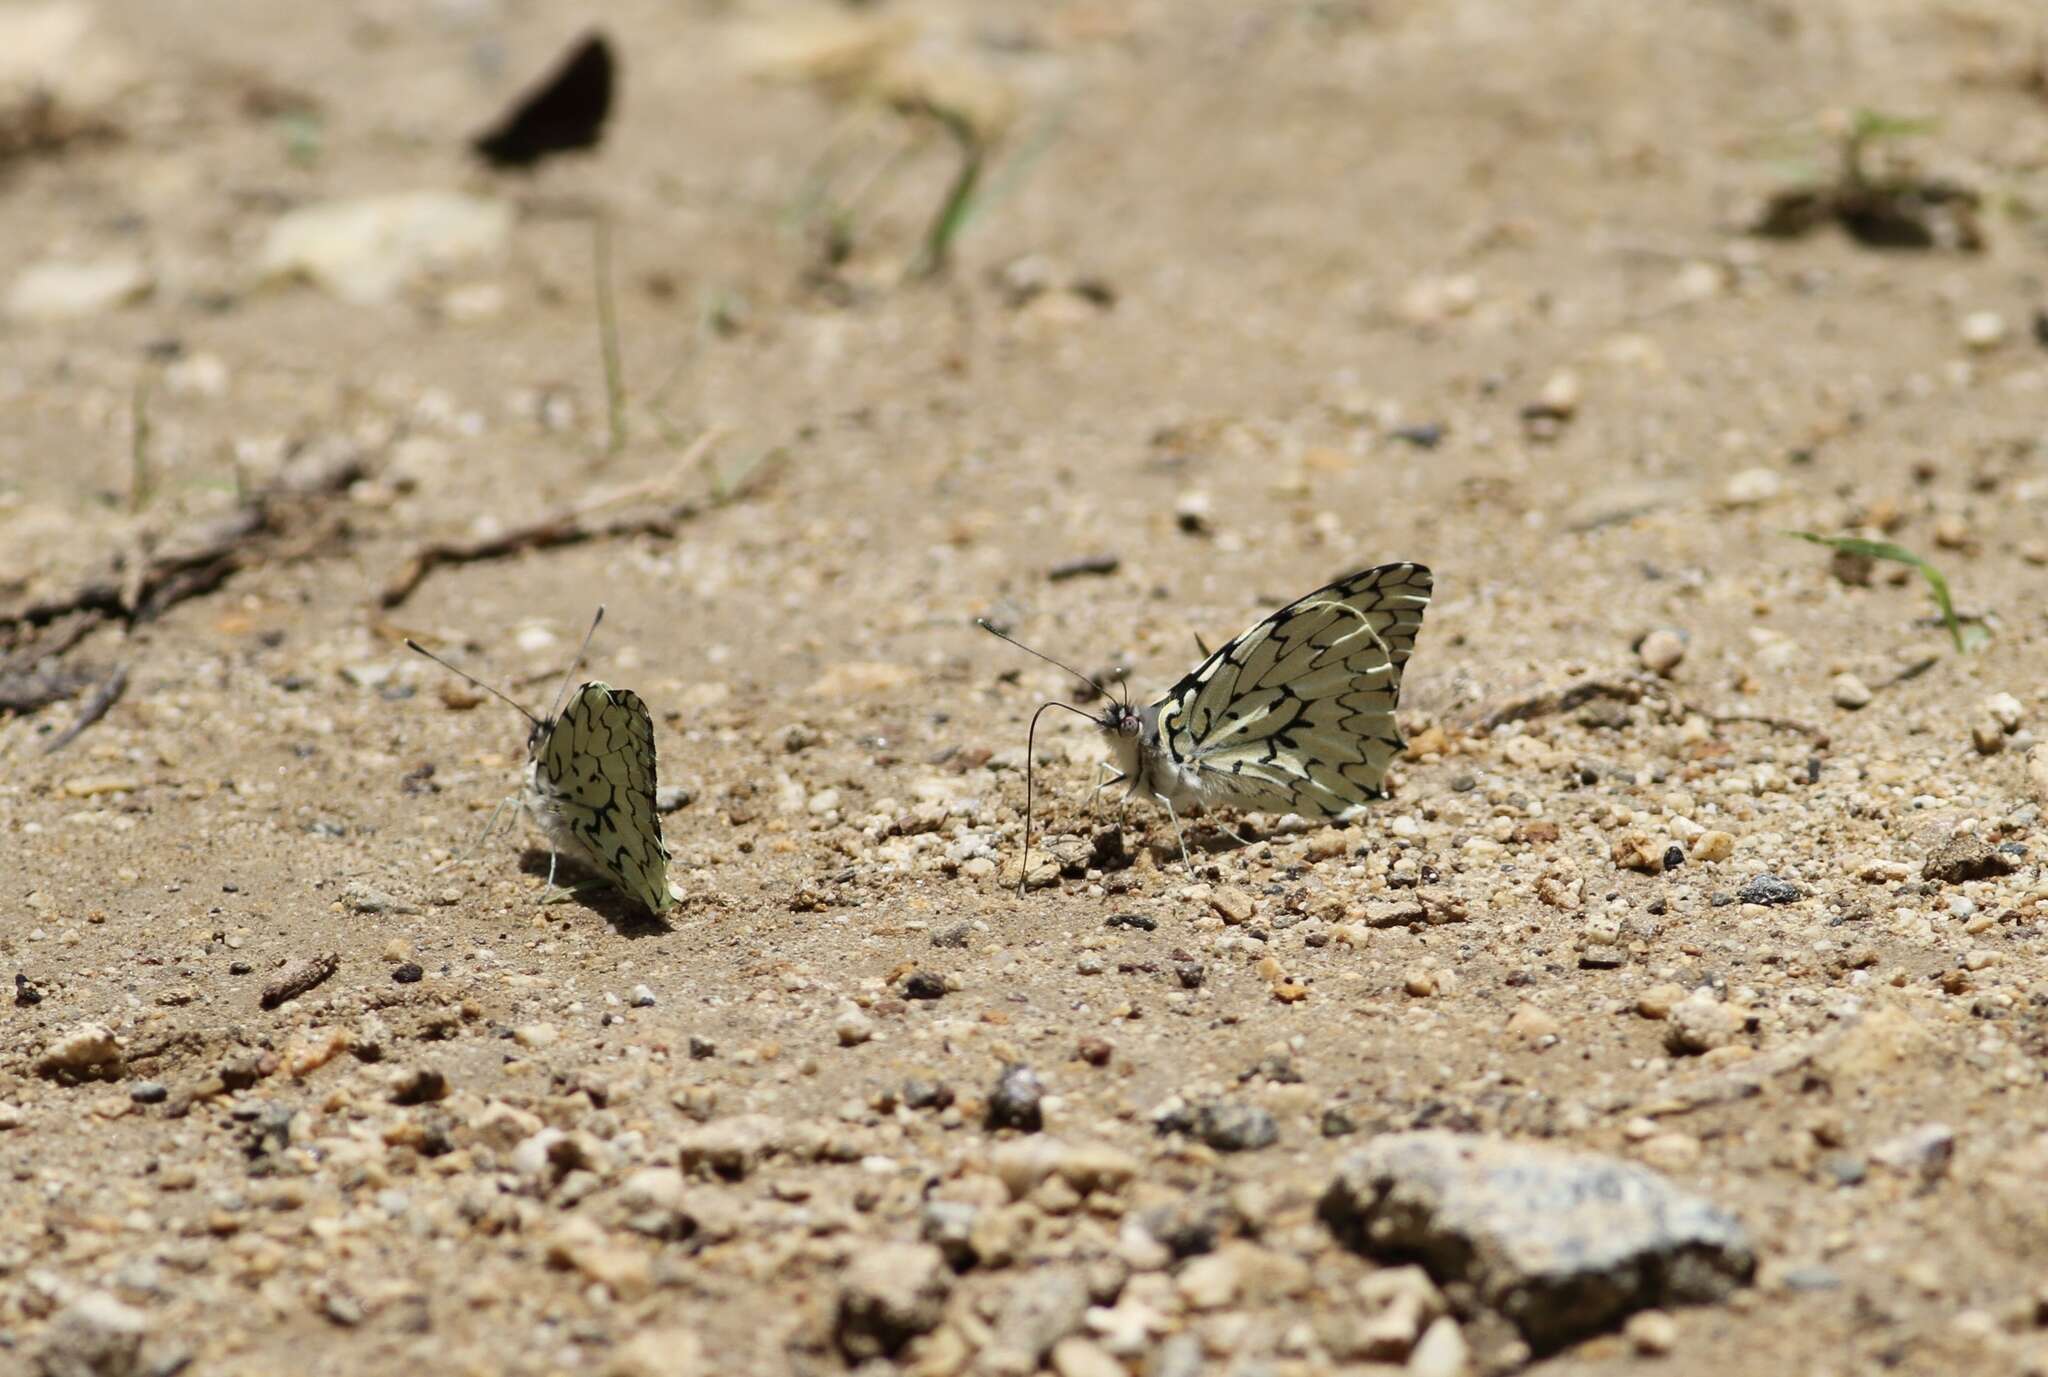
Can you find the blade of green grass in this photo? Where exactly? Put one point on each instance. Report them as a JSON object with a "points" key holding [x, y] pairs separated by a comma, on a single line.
{"points": [[141, 482], [608, 335], [1899, 554]]}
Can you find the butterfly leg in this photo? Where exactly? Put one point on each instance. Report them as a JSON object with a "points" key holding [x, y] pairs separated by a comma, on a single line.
{"points": [[1177, 836], [490, 826], [1116, 777]]}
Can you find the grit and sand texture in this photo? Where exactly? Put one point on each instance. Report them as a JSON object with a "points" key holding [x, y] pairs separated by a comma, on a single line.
{"points": [[1256, 295]]}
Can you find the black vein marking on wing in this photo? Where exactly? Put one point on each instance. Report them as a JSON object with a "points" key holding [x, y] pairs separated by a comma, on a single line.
{"points": [[1297, 714], [598, 760]]}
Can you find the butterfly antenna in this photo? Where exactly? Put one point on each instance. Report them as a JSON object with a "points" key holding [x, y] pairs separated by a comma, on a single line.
{"points": [[984, 624], [1030, 759], [575, 664], [411, 644]]}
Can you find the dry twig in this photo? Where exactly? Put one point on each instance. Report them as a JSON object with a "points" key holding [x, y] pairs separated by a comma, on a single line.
{"points": [[103, 698], [191, 562], [299, 977], [1547, 702], [571, 526]]}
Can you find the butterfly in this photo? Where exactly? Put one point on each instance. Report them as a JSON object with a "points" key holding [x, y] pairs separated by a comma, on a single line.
{"points": [[590, 781], [561, 114], [1294, 715]]}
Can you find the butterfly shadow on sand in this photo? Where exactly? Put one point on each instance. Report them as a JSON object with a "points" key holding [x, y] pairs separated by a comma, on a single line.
{"points": [[590, 890]]}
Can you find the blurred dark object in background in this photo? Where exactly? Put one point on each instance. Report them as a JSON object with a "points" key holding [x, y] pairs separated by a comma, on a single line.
{"points": [[563, 113]]}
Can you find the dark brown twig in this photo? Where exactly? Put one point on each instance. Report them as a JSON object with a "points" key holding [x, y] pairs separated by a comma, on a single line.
{"points": [[570, 527], [1547, 702], [103, 698], [191, 562]]}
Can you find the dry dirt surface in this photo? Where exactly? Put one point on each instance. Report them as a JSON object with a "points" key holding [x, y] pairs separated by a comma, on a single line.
{"points": [[1711, 854]]}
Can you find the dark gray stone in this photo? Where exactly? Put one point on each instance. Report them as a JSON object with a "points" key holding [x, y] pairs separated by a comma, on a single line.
{"points": [[1769, 889], [1014, 1101], [1228, 1126], [1562, 1244]]}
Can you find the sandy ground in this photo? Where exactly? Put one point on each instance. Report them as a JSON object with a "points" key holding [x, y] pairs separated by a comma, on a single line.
{"points": [[1231, 253]]}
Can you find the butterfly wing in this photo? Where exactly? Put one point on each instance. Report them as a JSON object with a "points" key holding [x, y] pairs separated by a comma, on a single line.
{"points": [[597, 759], [563, 113], [1297, 714]]}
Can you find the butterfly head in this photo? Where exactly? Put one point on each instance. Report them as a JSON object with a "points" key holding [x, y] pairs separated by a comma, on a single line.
{"points": [[1121, 721]]}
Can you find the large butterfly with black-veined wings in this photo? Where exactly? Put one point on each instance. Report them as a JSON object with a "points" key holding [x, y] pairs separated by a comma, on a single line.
{"points": [[1295, 715], [590, 782]]}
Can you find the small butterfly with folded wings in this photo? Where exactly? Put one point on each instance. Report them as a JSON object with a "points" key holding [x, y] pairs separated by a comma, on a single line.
{"points": [[1295, 715], [590, 782]]}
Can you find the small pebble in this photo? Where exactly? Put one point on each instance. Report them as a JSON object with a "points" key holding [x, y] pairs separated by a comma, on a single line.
{"points": [[1229, 1126], [1849, 692], [1659, 1000], [2005, 710], [853, 1027], [89, 1049], [409, 973], [1209, 1282], [1752, 487], [149, 1092], [924, 985], [1700, 1023], [1769, 889], [1636, 851], [1442, 1352], [1924, 1152], [1983, 330], [1661, 651], [1561, 394], [1714, 846], [1987, 736], [1014, 1103], [1420, 982], [642, 997], [1531, 1024], [1233, 905], [1653, 1332]]}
